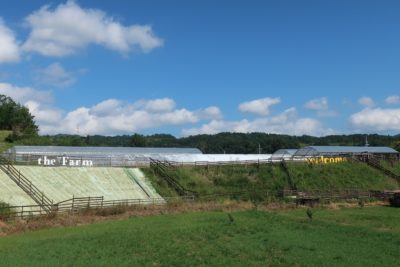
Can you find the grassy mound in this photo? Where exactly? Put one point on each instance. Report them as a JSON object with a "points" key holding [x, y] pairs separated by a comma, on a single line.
{"points": [[339, 176], [222, 179], [343, 237]]}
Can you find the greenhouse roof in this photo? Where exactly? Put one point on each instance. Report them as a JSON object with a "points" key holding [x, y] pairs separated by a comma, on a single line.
{"points": [[285, 152], [337, 150], [100, 151]]}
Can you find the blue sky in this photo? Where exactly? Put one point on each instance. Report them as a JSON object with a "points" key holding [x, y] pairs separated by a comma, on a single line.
{"points": [[190, 67]]}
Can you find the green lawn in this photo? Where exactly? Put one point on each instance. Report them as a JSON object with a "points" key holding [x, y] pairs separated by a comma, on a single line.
{"points": [[347, 237]]}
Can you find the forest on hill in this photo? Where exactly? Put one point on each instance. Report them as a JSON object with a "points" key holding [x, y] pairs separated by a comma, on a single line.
{"points": [[16, 118]]}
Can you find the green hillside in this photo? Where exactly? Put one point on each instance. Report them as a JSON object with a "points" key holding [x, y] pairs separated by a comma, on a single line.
{"points": [[220, 179], [340, 176]]}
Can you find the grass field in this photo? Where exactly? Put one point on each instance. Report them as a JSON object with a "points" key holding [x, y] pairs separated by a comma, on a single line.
{"points": [[367, 236], [219, 179]]}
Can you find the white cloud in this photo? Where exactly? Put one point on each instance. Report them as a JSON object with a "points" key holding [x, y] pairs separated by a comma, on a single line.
{"points": [[376, 119], [37, 101], [259, 106], [69, 28], [25, 94], [160, 105], [321, 106], [107, 107], [113, 116], [44, 115], [285, 123], [109, 117], [96, 120], [366, 102], [9, 48], [317, 104], [55, 75], [210, 113], [393, 99]]}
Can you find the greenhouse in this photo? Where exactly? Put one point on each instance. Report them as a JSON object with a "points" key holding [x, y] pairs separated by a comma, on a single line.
{"points": [[92, 156], [283, 154], [314, 151]]}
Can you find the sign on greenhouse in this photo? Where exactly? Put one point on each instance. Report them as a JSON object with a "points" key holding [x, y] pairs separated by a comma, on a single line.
{"points": [[326, 160], [64, 161]]}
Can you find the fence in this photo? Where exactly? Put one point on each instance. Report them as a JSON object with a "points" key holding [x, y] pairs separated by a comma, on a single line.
{"points": [[25, 184], [77, 204], [163, 170]]}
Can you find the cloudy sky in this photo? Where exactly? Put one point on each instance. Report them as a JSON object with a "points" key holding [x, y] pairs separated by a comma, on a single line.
{"points": [[190, 67]]}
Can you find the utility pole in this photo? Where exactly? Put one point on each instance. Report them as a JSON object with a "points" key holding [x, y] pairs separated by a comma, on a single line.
{"points": [[259, 148], [366, 140]]}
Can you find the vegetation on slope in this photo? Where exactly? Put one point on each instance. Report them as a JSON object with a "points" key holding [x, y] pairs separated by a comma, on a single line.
{"points": [[392, 166], [346, 237], [222, 179], [345, 175], [4, 145]]}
